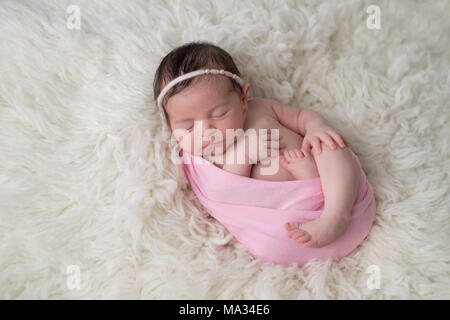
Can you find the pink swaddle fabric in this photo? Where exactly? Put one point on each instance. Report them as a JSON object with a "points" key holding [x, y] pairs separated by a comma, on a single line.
{"points": [[255, 211]]}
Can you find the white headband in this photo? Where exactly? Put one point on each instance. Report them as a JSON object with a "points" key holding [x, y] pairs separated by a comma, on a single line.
{"points": [[194, 74]]}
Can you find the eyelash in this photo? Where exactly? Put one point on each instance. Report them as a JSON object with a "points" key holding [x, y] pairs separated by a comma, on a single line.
{"points": [[190, 129]]}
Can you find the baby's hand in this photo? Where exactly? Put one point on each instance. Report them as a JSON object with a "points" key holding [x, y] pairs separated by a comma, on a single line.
{"points": [[325, 134]]}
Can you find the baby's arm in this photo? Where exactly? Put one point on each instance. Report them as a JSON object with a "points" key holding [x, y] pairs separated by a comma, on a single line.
{"points": [[339, 173], [310, 124], [232, 165], [239, 169]]}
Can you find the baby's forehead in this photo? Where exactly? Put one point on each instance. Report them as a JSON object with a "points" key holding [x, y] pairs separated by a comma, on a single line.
{"points": [[220, 89], [215, 82]]}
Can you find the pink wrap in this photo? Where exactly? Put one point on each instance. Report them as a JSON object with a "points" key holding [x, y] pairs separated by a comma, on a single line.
{"points": [[255, 211]]}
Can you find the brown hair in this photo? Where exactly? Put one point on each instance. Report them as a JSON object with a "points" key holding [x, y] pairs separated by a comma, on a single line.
{"points": [[190, 57]]}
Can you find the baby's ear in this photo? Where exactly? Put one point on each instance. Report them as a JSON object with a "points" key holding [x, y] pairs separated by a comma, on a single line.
{"points": [[245, 105], [245, 89]]}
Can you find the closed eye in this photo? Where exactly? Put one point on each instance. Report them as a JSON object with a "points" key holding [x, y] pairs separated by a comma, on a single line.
{"points": [[216, 117], [222, 115]]}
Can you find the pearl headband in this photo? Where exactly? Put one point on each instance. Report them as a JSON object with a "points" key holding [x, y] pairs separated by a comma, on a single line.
{"points": [[194, 74]]}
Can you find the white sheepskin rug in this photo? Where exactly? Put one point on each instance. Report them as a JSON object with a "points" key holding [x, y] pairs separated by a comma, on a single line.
{"points": [[89, 206]]}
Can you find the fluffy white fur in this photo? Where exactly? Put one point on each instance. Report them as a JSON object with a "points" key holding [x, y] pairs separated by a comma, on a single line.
{"points": [[86, 178]]}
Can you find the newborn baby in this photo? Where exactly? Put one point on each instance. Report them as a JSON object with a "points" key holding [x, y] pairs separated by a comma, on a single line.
{"points": [[205, 107]]}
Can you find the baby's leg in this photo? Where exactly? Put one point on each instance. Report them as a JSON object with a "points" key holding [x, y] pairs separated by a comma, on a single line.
{"points": [[339, 176], [298, 164]]}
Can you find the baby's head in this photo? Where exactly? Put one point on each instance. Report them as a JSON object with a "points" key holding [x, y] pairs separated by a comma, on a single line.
{"points": [[210, 101]]}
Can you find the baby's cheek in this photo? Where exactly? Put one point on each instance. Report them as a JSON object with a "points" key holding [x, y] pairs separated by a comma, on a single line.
{"points": [[230, 124], [184, 140], [193, 147]]}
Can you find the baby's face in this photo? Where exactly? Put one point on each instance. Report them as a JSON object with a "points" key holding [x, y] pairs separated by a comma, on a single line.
{"points": [[205, 109]]}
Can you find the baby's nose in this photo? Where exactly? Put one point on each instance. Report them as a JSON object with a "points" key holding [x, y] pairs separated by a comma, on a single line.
{"points": [[204, 125]]}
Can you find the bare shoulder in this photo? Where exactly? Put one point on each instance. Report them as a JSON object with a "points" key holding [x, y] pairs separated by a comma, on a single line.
{"points": [[287, 116], [260, 114], [262, 106]]}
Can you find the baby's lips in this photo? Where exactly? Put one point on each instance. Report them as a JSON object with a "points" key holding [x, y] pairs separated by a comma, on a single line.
{"points": [[208, 142]]}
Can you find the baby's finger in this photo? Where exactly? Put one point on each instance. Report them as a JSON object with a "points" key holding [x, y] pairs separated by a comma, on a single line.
{"points": [[346, 142], [306, 144], [338, 138], [327, 139], [296, 233], [315, 142], [304, 238]]}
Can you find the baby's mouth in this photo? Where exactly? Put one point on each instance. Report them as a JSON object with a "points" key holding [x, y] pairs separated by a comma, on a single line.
{"points": [[210, 141], [210, 147]]}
